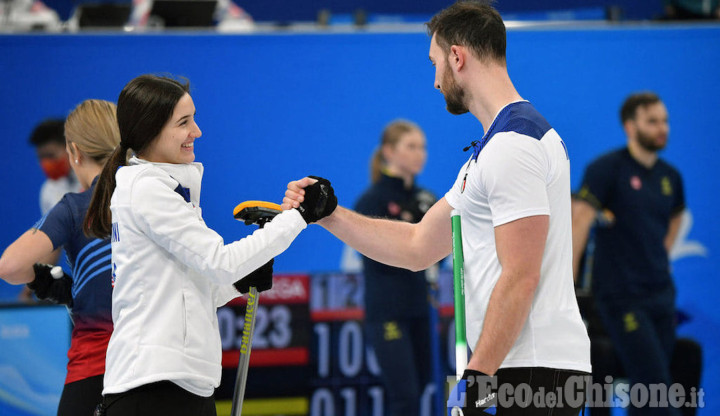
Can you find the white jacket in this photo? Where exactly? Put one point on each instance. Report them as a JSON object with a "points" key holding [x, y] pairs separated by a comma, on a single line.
{"points": [[171, 273]]}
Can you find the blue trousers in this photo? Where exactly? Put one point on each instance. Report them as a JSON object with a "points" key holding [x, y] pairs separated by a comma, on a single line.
{"points": [[402, 347], [643, 333]]}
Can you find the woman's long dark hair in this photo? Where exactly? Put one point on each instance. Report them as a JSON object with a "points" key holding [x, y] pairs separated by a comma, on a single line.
{"points": [[144, 106]]}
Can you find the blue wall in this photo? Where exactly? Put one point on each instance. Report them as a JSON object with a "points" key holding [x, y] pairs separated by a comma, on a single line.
{"points": [[277, 107]]}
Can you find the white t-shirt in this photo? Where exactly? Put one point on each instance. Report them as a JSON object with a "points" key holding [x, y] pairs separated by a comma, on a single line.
{"points": [[522, 171], [53, 190]]}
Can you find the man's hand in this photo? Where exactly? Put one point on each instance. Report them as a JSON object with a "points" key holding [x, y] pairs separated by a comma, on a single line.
{"points": [[47, 287], [479, 390], [295, 193], [313, 196], [261, 279]]}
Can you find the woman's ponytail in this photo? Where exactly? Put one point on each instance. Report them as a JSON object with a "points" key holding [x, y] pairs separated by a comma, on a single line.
{"points": [[98, 220]]}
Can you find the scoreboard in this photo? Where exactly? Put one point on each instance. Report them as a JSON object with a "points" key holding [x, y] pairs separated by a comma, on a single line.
{"points": [[344, 370], [309, 355]]}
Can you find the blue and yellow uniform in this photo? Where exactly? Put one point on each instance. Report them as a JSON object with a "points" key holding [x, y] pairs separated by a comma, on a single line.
{"points": [[631, 282], [396, 301], [90, 263], [630, 255]]}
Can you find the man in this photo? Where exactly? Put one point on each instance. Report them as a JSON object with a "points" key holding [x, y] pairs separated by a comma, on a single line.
{"points": [[48, 138], [641, 199], [514, 197]]}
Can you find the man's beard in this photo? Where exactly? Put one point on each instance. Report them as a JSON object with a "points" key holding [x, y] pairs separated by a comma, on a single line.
{"points": [[649, 143], [454, 95]]}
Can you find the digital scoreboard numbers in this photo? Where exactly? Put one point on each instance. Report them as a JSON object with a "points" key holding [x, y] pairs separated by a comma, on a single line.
{"points": [[345, 372], [309, 353], [280, 351]]}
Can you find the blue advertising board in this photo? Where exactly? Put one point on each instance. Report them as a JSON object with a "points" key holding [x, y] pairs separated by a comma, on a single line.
{"points": [[33, 354]]}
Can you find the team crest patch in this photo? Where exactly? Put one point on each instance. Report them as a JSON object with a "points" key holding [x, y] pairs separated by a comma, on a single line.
{"points": [[666, 186], [394, 209]]}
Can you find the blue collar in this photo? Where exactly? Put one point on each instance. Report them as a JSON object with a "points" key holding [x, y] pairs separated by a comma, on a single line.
{"points": [[479, 145]]}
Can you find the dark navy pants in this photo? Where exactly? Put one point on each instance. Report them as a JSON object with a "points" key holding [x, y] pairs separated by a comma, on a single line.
{"points": [[402, 347], [81, 397], [161, 398], [642, 331]]}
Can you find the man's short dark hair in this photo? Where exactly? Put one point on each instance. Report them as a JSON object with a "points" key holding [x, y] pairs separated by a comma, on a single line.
{"points": [[472, 24], [51, 130], [628, 111]]}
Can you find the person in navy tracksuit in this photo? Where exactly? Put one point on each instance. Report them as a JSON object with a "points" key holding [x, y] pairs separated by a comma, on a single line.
{"points": [[641, 198], [396, 300]]}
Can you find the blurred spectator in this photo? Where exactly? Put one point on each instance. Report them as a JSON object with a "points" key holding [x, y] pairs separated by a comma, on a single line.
{"points": [[228, 15], [640, 200], [48, 138], [692, 9], [28, 15]]}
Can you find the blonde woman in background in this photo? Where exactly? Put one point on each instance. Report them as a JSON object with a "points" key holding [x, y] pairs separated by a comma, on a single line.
{"points": [[92, 135], [399, 330]]}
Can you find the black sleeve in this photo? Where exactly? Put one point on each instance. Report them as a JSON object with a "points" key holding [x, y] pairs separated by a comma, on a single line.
{"points": [[370, 204], [596, 184], [419, 205]]}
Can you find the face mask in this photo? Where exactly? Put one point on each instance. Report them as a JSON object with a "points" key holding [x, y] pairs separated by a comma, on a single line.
{"points": [[55, 168]]}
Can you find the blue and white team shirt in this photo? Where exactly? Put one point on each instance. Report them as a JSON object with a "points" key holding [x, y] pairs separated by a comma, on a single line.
{"points": [[521, 169], [90, 261]]}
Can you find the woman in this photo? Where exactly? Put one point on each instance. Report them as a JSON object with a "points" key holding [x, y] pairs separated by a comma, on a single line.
{"points": [[398, 330], [92, 135], [170, 271]]}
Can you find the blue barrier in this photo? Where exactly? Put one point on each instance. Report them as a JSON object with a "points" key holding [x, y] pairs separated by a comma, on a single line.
{"points": [[34, 341]]}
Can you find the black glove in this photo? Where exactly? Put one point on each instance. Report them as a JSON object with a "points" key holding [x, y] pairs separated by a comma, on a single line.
{"points": [[480, 392], [261, 279], [47, 287], [320, 200]]}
